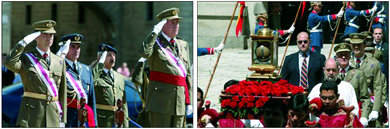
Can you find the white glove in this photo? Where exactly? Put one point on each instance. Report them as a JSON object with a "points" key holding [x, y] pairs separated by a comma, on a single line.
{"points": [[364, 121], [219, 48], [62, 125], [373, 9], [381, 20], [188, 110], [340, 13], [291, 29], [103, 57], [64, 49], [373, 116], [157, 28], [142, 60], [29, 38]]}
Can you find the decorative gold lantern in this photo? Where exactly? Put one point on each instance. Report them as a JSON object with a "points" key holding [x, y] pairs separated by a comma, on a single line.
{"points": [[264, 54]]}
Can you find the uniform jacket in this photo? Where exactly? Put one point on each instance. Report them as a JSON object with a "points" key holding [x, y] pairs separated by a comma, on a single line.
{"points": [[350, 15], [108, 92], [37, 112], [358, 80], [375, 79], [312, 22], [162, 97], [291, 73], [83, 73]]}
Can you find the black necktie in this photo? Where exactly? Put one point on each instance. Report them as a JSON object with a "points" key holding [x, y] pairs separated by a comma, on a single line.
{"points": [[109, 74], [74, 67]]}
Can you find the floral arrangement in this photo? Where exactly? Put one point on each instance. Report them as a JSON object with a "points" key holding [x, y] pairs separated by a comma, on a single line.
{"points": [[247, 98]]}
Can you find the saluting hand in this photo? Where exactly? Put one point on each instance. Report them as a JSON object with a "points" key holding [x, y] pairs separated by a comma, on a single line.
{"points": [[103, 57], [64, 49], [157, 28], [29, 38]]}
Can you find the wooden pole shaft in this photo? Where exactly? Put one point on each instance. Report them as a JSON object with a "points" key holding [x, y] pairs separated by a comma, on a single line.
{"points": [[219, 54], [288, 42], [335, 33]]}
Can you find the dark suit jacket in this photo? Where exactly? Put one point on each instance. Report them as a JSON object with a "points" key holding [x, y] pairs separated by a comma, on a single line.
{"points": [[290, 70]]}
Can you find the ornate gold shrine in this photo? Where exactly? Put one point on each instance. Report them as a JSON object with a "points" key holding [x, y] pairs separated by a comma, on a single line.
{"points": [[264, 54]]}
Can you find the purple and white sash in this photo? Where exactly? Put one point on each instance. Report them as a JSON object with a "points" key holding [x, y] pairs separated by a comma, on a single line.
{"points": [[76, 84], [49, 82], [175, 61]]}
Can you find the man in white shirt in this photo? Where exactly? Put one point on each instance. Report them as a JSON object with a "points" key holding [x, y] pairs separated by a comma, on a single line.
{"points": [[346, 91]]}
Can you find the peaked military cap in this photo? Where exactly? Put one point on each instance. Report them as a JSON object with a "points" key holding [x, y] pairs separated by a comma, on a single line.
{"points": [[369, 48], [314, 3], [74, 38], [342, 47], [169, 14], [367, 34], [45, 26], [357, 38], [104, 47]]}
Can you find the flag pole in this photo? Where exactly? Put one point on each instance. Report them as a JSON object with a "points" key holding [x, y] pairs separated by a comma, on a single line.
{"points": [[289, 38], [371, 19], [219, 54], [335, 33]]}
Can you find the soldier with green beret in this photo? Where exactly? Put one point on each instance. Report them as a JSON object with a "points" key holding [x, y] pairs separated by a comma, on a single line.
{"points": [[355, 77], [43, 75], [168, 93], [109, 89], [375, 78]]}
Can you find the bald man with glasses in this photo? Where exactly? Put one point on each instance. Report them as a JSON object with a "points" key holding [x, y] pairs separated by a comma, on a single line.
{"points": [[303, 68]]}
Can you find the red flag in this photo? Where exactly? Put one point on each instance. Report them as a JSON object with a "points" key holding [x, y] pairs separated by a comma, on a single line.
{"points": [[303, 9], [240, 18]]}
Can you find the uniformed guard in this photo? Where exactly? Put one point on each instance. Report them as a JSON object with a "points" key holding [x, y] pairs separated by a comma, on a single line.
{"points": [[351, 18], [380, 16], [354, 76], [43, 76], [80, 83], [109, 88], [168, 93], [375, 78], [314, 25], [260, 11]]}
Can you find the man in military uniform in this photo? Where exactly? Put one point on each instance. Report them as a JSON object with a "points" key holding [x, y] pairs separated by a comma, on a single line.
{"points": [[140, 78], [109, 88], [380, 15], [314, 25], [80, 82], [372, 70], [355, 77], [260, 11], [351, 18], [168, 93], [43, 76]]}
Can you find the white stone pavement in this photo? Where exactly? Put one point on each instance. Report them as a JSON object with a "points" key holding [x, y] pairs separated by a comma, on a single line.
{"points": [[233, 64]]}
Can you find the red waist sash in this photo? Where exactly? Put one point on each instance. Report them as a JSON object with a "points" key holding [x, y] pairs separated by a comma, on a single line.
{"points": [[171, 79]]}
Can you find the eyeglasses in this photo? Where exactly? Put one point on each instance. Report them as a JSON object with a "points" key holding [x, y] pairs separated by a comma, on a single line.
{"points": [[303, 41], [329, 98]]}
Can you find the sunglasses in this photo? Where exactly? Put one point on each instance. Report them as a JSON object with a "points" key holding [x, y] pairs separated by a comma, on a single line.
{"points": [[329, 98], [303, 41]]}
